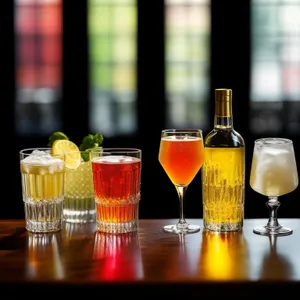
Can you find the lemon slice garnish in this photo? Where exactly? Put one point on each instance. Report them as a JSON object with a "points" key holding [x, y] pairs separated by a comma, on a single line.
{"points": [[70, 152]]}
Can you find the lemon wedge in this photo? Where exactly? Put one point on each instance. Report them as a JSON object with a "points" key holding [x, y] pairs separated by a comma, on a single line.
{"points": [[69, 150]]}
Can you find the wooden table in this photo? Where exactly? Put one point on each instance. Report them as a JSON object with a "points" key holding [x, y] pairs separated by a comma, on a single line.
{"points": [[240, 263]]}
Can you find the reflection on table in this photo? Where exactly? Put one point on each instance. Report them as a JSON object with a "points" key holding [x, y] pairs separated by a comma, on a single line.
{"points": [[43, 253], [117, 257], [224, 256]]}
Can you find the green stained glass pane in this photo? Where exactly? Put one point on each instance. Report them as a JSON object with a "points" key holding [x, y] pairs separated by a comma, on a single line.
{"points": [[197, 49], [101, 49], [99, 2], [176, 48], [124, 49], [125, 2], [112, 2], [113, 54], [100, 19], [124, 19], [124, 78], [101, 76], [177, 78]]}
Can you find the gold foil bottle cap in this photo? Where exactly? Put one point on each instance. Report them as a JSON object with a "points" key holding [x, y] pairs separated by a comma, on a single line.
{"points": [[223, 101], [223, 95]]}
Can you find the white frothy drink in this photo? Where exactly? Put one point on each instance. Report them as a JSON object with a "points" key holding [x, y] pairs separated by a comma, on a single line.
{"points": [[273, 171], [42, 159]]}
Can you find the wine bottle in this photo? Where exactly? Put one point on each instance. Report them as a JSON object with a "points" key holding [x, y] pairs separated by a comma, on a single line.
{"points": [[223, 172]]}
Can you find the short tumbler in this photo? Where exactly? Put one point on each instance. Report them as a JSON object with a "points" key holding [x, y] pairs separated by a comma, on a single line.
{"points": [[42, 189], [117, 177]]}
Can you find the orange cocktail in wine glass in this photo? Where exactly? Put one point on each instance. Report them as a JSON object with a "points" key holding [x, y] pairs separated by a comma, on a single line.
{"points": [[181, 154]]}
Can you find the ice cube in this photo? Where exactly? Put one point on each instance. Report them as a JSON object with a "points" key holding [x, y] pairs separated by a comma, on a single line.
{"points": [[111, 159], [269, 157], [115, 159], [126, 159], [274, 170], [55, 168], [37, 152]]}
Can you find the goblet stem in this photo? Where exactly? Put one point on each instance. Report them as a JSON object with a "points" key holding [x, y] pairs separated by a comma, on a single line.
{"points": [[181, 190], [273, 205], [273, 227], [182, 226]]}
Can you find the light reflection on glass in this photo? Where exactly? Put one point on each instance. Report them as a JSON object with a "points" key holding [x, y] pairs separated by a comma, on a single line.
{"points": [[112, 33], [223, 256], [187, 62], [117, 257]]}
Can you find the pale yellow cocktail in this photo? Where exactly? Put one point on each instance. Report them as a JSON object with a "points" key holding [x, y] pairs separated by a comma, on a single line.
{"points": [[79, 204], [43, 181]]}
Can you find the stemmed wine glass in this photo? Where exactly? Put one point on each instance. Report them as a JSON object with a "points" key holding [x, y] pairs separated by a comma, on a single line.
{"points": [[181, 154], [273, 174]]}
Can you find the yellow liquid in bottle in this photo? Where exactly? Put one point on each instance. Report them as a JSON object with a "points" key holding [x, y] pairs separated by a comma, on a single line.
{"points": [[223, 188]]}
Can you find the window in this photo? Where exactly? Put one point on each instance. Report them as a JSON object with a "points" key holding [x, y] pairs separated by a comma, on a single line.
{"points": [[187, 62], [275, 76], [112, 54], [38, 34]]}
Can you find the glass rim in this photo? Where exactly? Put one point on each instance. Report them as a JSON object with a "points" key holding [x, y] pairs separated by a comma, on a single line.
{"points": [[28, 151], [273, 141], [187, 130], [117, 150]]}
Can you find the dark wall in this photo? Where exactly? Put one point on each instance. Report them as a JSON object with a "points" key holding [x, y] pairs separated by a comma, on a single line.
{"points": [[230, 67]]}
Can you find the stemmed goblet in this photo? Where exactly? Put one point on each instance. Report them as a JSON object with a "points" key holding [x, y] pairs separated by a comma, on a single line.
{"points": [[181, 154], [273, 174]]}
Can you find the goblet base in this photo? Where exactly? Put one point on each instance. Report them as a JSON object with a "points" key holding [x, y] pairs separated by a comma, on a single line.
{"points": [[181, 229], [265, 230]]}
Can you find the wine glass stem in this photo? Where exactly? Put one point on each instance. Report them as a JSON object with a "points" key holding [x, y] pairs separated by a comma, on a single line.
{"points": [[181, 190], [273, 205]]}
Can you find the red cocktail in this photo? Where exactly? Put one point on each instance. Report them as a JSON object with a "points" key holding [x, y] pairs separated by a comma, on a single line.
{"points": [[117, 180]]}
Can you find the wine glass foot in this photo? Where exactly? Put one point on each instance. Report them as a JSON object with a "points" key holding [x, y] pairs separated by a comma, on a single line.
{"points": [[264, 230], [176, 229]]}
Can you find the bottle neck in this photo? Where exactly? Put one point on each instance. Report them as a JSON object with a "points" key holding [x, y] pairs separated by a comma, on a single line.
{"points": [[223, 115], [223, 122]]}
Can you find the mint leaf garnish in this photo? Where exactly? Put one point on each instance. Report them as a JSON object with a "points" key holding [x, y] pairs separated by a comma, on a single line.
{"points": [[89, 143]]}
